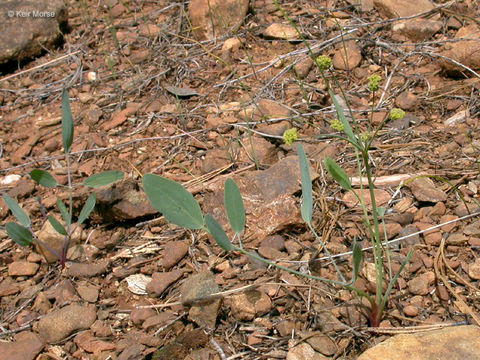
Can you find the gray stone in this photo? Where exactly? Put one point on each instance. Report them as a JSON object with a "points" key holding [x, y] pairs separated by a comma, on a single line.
{"points": [[27, 28]]}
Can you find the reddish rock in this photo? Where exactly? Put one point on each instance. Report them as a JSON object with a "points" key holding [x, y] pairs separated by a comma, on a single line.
{"points": [[60, 323], [214, 18], [174, 251], [26, 346], [161, 281], [22, 268], [349, 60]]}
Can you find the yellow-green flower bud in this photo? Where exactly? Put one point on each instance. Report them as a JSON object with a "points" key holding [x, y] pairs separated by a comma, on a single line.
{"points": [[323, 62], [396, 114], [365, 136], [336, 125], [289, 136], [373, 82]]}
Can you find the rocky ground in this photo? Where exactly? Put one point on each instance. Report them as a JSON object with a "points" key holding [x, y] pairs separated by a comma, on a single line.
{"points": [[163, 87]]}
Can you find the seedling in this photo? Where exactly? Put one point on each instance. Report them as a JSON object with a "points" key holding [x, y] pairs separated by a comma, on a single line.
{"points": [[22, 232]]}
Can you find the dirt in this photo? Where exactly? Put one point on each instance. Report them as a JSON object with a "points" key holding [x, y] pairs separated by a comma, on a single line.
{"points": [[147, 97]]}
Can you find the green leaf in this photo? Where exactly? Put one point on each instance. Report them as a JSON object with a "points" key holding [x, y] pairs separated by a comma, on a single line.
{"points": [[87, 209], [173, 201], [337, 173], [381, 212], [234, 206], [57, 225], [341, 115], [218, 234], [17, 211], [103, 178], [307, 198], [357, 259], [64, 212], [67, 123], [43, 178], [22, 236]]}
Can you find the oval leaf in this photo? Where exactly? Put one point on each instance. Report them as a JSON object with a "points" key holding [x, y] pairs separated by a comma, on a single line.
{"points": [[67, 123], [22, 236], [173, 201], [307, 198], [104, 178], [87, 209], [57, 225], [17, 211], [43, 178], [64, 212], [218, 234], [234, 206], [337, 173]]}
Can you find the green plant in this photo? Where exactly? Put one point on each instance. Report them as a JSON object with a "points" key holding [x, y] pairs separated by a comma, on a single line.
{"points": [[22, 232], [361, 142]]}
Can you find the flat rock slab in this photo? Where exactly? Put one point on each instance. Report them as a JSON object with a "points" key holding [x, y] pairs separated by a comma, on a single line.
{"points": [[268, 198], [452, 343]]}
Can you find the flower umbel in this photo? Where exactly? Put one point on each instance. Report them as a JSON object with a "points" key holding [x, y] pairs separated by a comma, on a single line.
{"points": [[396, 114], [373, 82], [289, 136], [323, 62], [336, 125]]}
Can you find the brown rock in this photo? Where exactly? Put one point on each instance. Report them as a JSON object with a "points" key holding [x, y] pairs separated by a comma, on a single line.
{"points": [[27, 346], [270, 109], [322, 343], [87, 292], [418, 29], [304, 351], [424, 189], [286, 327], [381, 197], [214, 18], [87, 270], [88, 342], [419, 285], [303, 67], [474, 270], [404, 8], [453, 343], [201, 286], [466, 52], [138, 316], [259, 149], [267, 195], [60, 323], [122, 201], [158, 320], [49, 236], [406, 100], [174, 251], [392, 230], [161, 281], [246, 306], [119, 117], [472, 229], [22, 189], [281, 31], [22, 268], [410, 310], [40, 21], [349, 60], [215, 159]]}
